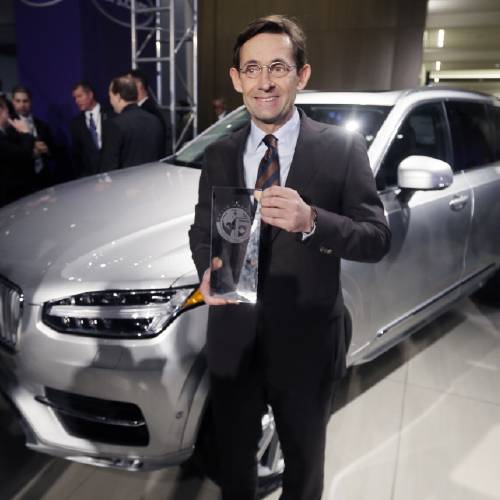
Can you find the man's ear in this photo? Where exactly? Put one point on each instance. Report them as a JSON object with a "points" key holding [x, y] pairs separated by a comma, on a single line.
{"points": [[304, 74], [235, 78]]}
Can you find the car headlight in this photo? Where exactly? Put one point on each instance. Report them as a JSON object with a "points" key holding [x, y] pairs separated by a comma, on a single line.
{"points": [[120, 313]]}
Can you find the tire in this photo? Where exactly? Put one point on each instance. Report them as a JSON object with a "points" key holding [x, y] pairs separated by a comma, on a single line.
{"points": [[270, 463]]}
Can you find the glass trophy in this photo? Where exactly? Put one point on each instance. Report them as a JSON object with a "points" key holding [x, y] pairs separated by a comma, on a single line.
{"points": [[235, 237]]}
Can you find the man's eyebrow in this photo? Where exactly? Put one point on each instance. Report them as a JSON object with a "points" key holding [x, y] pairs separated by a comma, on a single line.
{"points": [[254, 61]]}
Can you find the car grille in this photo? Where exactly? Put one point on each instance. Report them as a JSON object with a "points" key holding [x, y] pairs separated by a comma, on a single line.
{"points": [[11, 301]]}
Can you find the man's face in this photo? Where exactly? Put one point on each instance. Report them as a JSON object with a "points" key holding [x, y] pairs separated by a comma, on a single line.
{"points": [[84, 99], [269, 100], [22, 103]]}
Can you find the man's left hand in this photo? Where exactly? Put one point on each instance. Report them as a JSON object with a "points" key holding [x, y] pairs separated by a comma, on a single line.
{"points": [[284, 208]]}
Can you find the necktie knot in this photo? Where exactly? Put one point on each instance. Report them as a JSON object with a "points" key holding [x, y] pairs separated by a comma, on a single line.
{"points": [[270, 141]]}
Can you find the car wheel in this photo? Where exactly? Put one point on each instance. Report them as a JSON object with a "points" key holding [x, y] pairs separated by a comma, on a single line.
{"points": [[270, 464]]}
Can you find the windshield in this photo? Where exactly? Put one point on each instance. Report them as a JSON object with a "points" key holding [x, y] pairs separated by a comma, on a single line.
{"points": [[364, 119]]}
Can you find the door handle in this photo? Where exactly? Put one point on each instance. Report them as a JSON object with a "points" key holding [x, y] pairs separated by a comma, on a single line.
{"points": [[458, 202]]}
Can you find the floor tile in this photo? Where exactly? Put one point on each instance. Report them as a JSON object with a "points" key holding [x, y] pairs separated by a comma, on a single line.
{"points": [[465, 361], [448, 449], [362, 442]]}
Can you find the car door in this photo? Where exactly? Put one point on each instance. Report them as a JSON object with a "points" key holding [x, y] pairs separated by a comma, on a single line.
{"points": [[475, 132], [429, 231]]}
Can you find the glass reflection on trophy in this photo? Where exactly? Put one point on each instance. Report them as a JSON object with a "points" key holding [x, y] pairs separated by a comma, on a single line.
{"points": [[235, 243]]}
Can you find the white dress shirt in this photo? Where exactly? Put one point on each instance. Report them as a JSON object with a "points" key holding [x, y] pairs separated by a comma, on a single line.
{"points": [[255, 149]]}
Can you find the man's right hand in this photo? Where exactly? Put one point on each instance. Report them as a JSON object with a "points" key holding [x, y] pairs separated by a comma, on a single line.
{"points": [[20, 125], [205, 291]]}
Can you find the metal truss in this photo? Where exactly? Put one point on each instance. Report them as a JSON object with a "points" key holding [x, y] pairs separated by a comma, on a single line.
{"points": [[164, 33]]}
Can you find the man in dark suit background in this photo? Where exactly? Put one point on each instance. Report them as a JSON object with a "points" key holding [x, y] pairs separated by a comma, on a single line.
{"points": [[88, 130], [44, 147], [147, 103], [134, 136], [16, 156], [319, 204]]}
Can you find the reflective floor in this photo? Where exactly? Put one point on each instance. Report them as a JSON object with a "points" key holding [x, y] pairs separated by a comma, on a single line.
{"points": [[422, 422]]}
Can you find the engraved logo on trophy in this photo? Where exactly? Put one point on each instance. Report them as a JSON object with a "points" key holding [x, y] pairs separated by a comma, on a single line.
{"points": [[234, 248], [234, 224]]}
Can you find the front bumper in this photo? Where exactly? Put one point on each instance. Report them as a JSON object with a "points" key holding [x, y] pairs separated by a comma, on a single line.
{"points": [[133, 404]]}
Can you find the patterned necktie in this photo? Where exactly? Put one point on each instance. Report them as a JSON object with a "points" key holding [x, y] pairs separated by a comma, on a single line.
{"points": [[93, 130], [269, 169]]}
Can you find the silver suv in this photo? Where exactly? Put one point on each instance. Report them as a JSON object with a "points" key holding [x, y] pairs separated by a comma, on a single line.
{"points": [[102, 327]]}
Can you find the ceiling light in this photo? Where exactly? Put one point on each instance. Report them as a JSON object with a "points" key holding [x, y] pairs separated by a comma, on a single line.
{"points": [[438, 65], [466, 74], [440, 38]]}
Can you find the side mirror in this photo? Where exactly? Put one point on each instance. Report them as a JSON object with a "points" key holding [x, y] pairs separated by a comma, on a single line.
{"points": [[424, 173]]}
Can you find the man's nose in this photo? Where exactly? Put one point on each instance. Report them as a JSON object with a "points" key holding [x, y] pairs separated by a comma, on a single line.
{"points": [[265, 81]]}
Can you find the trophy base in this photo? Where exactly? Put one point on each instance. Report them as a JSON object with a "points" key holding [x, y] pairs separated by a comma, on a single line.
{"points": [[242, 297]]}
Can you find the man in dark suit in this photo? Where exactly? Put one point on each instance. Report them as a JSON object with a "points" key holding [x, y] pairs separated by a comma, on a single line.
{"points": [[319, 204], [147, 103], [134, 135], [16, 156], [44, 147], [88, 130]]}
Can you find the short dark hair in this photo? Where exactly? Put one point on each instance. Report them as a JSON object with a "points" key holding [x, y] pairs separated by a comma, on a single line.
{"points": [[125, 87], [277, 24], [21, 89], [85, 85], [137, 74]]}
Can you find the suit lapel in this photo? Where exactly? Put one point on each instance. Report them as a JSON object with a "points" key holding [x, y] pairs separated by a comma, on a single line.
{"points": [[236, 176], [303, 167]]}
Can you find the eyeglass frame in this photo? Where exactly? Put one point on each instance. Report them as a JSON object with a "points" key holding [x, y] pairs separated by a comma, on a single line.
{"points": [[289, 67]]}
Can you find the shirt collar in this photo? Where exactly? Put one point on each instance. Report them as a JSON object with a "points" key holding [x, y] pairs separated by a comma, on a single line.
{"points": [[94, 111], [142, 101], [284, 134]]}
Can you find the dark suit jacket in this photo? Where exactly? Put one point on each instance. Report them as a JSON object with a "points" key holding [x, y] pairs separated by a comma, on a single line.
{"points": [[16, 165], [300, 299], [133, 137], [152, 107], [86, 156]]}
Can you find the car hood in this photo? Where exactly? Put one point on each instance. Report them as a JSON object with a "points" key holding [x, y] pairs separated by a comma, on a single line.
{"points": [[123, 229]]}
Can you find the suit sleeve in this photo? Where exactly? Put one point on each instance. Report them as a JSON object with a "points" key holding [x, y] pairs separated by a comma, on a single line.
{"points": [[199, 233], [111, 148], [76, 149], [360, 231]]}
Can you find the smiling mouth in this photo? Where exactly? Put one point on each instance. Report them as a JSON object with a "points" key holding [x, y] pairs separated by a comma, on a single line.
{"points": [[267, 99]]}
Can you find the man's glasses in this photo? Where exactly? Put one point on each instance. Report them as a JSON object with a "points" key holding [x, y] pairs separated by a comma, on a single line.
{"points": [[276, 69]]}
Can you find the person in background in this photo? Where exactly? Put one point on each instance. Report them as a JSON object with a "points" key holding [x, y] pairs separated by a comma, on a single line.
{"points": [[88, 130], [44, 149], [147, 103], [219, 106], [134, 136], [16, 156]]}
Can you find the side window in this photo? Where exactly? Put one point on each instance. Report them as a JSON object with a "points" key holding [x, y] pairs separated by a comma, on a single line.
{"points": [[470, 133], [495, 116], [423, 132]]}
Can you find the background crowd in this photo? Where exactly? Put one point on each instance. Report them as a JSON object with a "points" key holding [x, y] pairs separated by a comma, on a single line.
{"points": [[128, 131]]}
